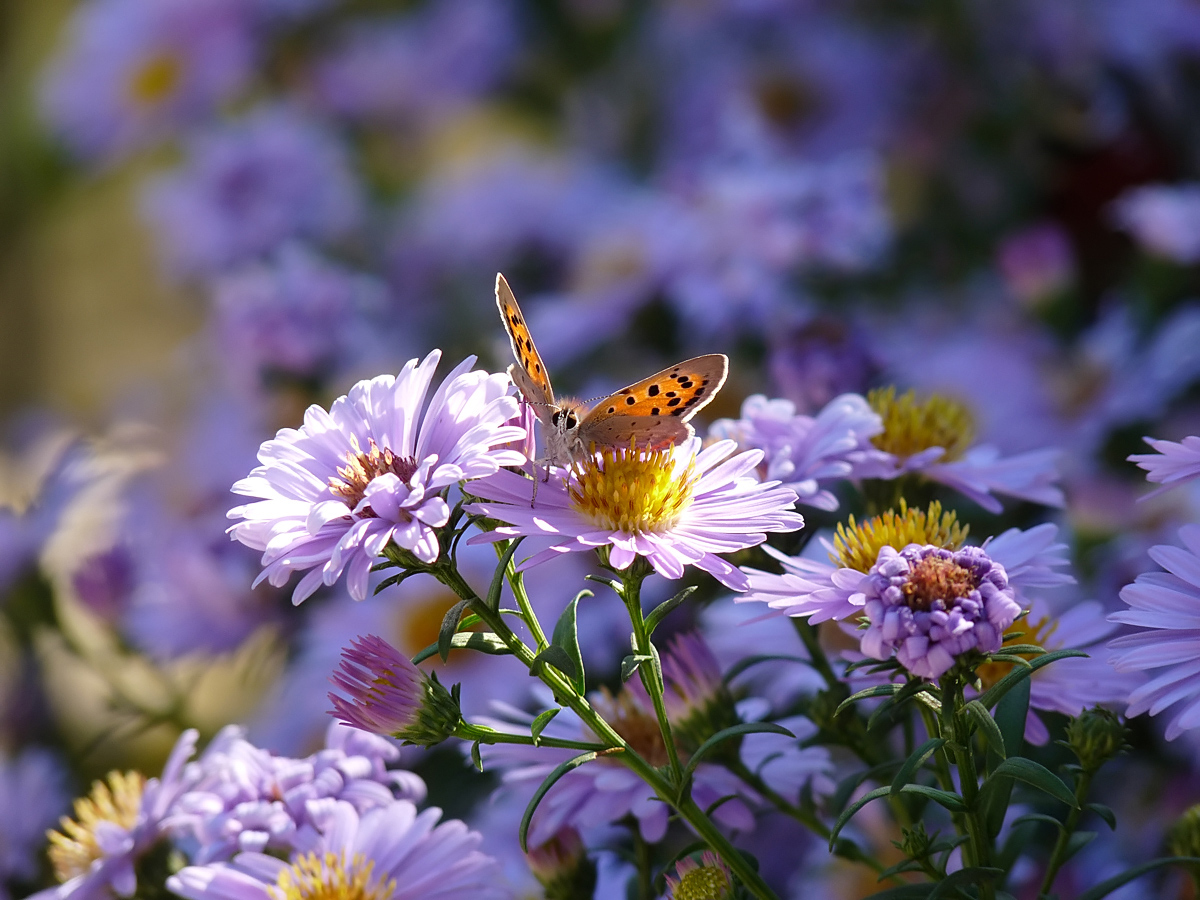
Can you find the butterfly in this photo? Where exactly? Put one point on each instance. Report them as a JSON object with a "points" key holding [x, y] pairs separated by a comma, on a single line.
{"points": [[651, 414]]}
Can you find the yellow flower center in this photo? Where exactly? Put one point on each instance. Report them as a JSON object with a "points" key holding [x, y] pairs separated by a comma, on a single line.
{"points": [[362, 467], [327, 877], [1030, 633], [858, 545], [633, 491], [910, 427], [703, 883], [73, 850], [156, 79]]}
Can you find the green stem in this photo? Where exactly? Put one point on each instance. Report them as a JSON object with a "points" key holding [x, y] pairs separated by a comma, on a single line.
{"points": [[1083, 785], [641, 856], [470, 732], [578, 704], [651, 675], [517, 582], [978, 850]]}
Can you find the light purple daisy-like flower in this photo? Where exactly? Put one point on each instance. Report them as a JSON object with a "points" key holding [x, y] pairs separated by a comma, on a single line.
{"points": [[1164, 219], [1172, 463], [243, 798], [806, 453], [132, 72], [675, 508], [822, 590], [248, 187], [391, 852], [929, 606], [785, 764], [331, 495], [1163, 611], [131, 819], [32, 795]]}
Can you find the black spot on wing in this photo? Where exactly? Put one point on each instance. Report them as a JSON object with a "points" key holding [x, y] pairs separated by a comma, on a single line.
{"points": [[699, 391], [671, 393], [674, 401], [678, 412], [686, 385], [652, 390], [630, 401], [612, 409], [655, 411]]}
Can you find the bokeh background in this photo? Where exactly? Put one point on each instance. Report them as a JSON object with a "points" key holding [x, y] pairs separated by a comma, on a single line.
{"points": [[215, 212]]}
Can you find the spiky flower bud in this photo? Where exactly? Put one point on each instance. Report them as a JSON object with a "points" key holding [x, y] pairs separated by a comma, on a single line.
{"points": [[1096, 736]]}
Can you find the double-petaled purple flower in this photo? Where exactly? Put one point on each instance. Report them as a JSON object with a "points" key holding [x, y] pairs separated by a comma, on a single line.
{"points": [[373, 469]]}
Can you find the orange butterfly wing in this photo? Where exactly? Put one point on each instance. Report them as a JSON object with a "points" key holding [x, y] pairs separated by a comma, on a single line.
{"points": [[678, 392], [529, 374]]}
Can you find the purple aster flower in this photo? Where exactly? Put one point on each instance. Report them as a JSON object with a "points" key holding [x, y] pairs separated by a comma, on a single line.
{"points": [[243, 798], [132, 71], [1171, 464], [387, 694], [420, 67], [1167, 634], [96, 853], [295, 314], [933, 439], [1164, 219], [785, 764], [32, 795], [821, 359], [250, 186], [929, 606], [390, 852], [605, 791], [806, 453], [675, 508], [1037, 262], [331, 495]]}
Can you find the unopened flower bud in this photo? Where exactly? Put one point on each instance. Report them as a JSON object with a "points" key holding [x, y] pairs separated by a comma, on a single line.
{"points": [[1184, 837], [1096, 736], [562, 867]]}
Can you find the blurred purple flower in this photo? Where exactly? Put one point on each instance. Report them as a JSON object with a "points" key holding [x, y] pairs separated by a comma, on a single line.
{"points": [[295, 314], [33, 794], [1037, 262], [132, 72], [807, 454], [689, 505], [252, 185], [114, 846], [242, 798], [1171, 464], [1163, 219], [330, 496], [1163, 611], [819, 360], [420, 67], [785, 764], [392, 851]]}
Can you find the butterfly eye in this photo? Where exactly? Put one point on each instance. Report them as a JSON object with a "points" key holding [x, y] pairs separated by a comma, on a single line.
{"points": [[571, 420]]}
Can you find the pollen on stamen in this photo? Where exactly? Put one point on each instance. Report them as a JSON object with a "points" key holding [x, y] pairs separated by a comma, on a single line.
{"points": [[858, 544], [633, 491], [364, 466], [910, 426], [329, 877], [117, 801]]}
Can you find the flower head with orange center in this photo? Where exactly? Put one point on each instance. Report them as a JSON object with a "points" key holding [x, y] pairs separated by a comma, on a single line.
{"points": [[675, 508]]}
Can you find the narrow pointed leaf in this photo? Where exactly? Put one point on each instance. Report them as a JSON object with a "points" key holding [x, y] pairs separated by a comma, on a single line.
{"points": [[483, 641], [631, 664], [1036, 775], [992, 695], [493, 595], [914, 762], [952, 802], [543, 719], [566, 636], [727, 733], [449, 628], [1106, 887], [1103, 812], [987, 727], [880, 690], [550, 780], [660, 612], [555, 656]]}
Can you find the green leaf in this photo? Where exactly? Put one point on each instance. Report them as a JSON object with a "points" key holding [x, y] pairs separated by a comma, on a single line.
{"points": [[914, 762], [1034, 774], [539, 724], [851, 783], [1077, 842], [1109, 817], [750, 661], [476, 757], [1032, 818], [909, 691], [725, 734], [952, 802], [880, 690], [566, 636], [660, 612], [493, 595], [555, 656], [992, 695], [550, 780], [972, 875], [449, 628], [1106, 887], [904, 892], [1023, 649], [987, 727], [483, 641], [631, 664], [1011, 713]]}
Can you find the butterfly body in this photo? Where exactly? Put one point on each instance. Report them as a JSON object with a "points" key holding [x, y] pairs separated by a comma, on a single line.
{"points": [[651, 414]]}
